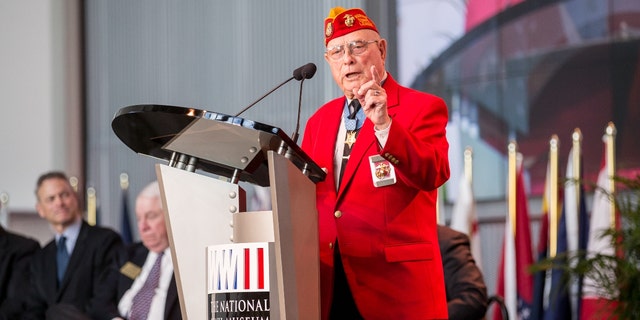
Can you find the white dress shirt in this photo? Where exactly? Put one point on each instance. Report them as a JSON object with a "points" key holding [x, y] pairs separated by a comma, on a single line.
{"points": [[381, 135], [159, 299]]}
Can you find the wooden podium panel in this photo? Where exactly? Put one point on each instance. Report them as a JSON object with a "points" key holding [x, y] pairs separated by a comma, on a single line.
{"points": [[296, 240], [198, 213]]}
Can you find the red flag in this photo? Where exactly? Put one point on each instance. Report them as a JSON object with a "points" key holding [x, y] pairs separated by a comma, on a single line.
{"points": [[596, 303], [515, 283]]}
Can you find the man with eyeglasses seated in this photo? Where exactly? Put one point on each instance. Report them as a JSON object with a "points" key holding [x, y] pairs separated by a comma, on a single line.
{"points": [[141, 284], [385, 152]]}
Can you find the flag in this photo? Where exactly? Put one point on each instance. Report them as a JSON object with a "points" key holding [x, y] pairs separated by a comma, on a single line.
{"points": [[465, 219], [515, 283], [564, 289], [596, 304], [125, 222], [440, 215], [540, 277], [559, 306], [583, 238], [576, 224]]}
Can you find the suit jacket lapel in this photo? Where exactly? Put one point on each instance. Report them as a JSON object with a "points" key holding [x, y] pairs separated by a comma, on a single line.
{"points": [[327, 145], [49, 276], [172, 297]]}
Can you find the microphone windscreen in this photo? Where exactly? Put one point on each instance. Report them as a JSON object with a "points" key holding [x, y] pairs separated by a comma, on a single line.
{"points": [[297, 73], [308, 70]]}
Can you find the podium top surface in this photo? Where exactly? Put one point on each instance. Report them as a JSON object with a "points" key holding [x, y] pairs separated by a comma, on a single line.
{"points": [[222, 144]]}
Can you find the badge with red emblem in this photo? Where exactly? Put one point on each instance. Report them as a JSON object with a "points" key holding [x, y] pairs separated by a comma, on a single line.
{"points": [[382, 172]]}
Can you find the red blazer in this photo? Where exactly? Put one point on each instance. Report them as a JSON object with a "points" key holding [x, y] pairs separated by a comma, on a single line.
{"points": [[388, 236]]}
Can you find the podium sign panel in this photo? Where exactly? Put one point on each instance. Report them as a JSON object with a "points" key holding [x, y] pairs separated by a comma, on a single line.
{"points": [[239, 281]]}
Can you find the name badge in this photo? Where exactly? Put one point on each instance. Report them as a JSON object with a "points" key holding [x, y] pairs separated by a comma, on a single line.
{"points": [[130, 270], [382, 171]]}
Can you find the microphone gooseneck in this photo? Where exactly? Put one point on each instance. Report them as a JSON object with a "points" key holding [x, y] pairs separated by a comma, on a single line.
{"points": [[304, 72], [294, 136], [307, 72], [263, 96]]}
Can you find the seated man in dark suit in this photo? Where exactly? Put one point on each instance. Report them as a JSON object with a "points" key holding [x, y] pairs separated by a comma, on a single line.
{"points": [[146, 265], [65, 273], [465, 287], [15, 255]]}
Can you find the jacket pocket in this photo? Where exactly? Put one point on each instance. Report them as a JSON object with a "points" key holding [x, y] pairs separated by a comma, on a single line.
{"points": [[409, 252]]}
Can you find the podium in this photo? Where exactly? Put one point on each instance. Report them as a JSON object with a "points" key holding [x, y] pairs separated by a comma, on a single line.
{"points": [[208, 153]]}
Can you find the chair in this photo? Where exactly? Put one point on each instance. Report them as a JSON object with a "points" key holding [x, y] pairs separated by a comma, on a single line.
{"points": [[500, 301]]}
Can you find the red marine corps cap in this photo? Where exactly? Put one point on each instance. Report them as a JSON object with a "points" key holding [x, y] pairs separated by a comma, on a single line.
{"points": [[342, 21]]}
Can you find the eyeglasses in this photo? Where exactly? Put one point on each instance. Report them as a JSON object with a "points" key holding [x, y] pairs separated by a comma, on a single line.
{"points": [[356, 48]]}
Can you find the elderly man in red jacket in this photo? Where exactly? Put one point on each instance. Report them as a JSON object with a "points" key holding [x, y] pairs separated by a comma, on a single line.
{"points": [[384, 149]]}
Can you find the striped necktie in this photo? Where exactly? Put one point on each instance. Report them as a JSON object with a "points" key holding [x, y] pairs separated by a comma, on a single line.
{"points": [[352, 133], [142, 301]]}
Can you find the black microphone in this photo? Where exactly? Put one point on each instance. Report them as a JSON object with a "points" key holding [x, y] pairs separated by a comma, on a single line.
{"points": [[305, 72]]}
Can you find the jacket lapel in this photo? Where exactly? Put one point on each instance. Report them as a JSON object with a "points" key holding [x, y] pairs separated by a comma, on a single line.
{"points": [[50, 277], [327, 143]]}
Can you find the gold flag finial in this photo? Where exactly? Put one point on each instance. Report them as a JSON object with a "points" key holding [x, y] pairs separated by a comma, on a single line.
{"points": [[124, 181], [73, 181]]}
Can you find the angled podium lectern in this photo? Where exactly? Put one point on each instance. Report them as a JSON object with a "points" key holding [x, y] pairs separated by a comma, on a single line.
{"points": [[228, 262]]}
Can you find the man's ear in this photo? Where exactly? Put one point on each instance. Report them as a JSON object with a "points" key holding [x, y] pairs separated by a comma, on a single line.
{"points": [[39, 209], [382, 46]]}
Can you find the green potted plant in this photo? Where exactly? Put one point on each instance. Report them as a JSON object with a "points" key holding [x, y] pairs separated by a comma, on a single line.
{"points": [[616, 275]]}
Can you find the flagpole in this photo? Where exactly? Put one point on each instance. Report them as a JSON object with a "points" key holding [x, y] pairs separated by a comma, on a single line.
{"points": [[468, 164], [91, 206], [4, 209], [576, 138], [610, 136], [512, 149], [577, 144], [553, 196]]}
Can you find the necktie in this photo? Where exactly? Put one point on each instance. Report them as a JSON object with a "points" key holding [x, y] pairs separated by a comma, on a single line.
{"points": [[62, 257], [353, 128], [142, 301]]}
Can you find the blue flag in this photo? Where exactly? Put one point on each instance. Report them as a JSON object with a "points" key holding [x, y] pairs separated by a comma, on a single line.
{"points": [[559, 306], [125, 222]]}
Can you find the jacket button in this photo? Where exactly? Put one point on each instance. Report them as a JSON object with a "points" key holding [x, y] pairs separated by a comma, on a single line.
{"points": [[337, 214], [330, 245]]}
